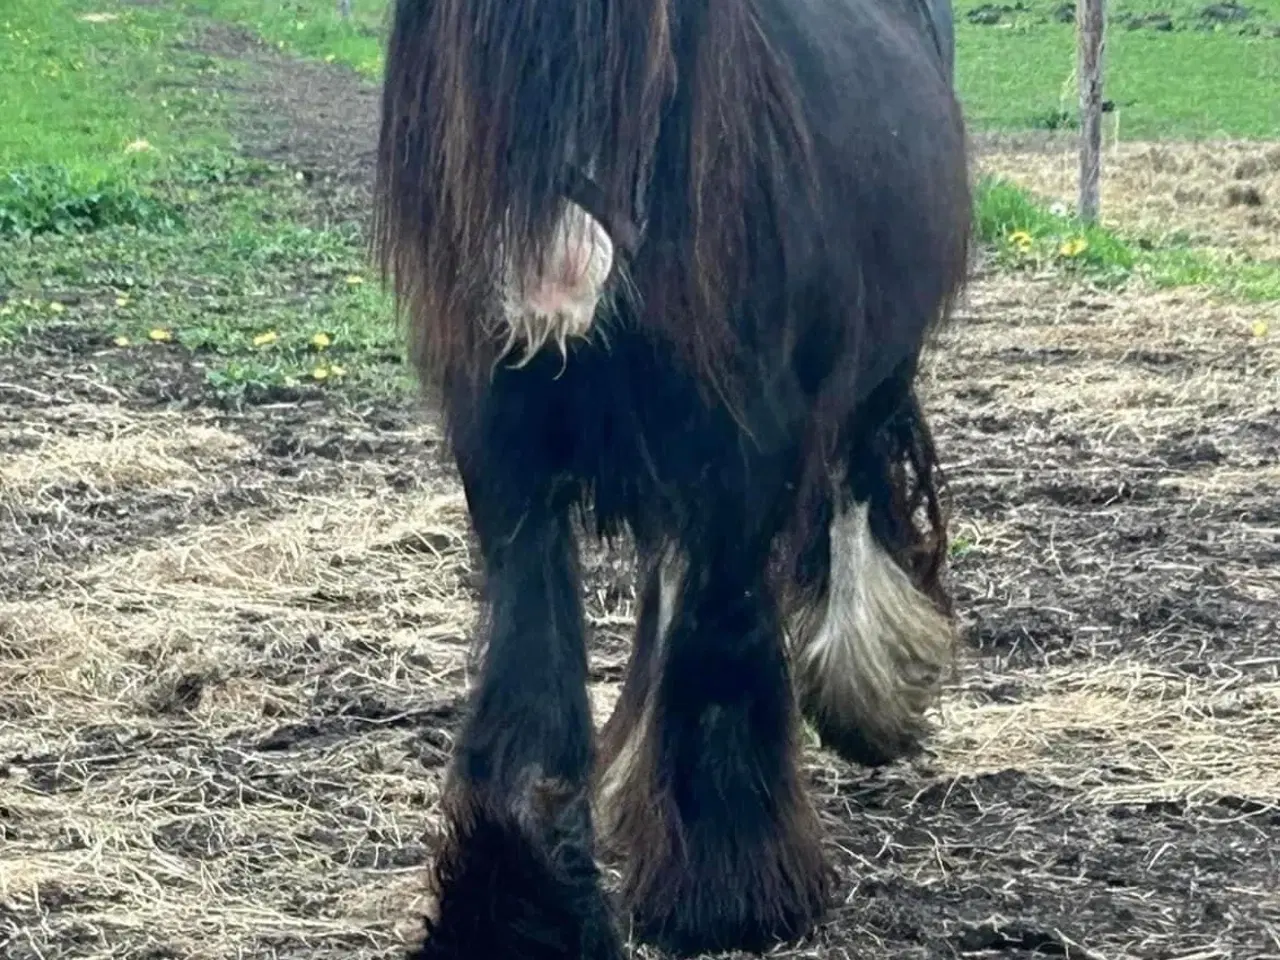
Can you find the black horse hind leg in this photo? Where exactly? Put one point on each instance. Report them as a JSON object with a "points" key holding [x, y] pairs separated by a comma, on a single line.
{"points": [[875, 637], [516, 877]]}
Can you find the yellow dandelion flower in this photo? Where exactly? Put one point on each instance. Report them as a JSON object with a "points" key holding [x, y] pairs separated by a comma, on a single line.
{"points": [[121, 341], [321, 341], [122, 301], [329, 58], [6, 311], [320, 373], [160, 335], [56, 307], [337, 371], [1074, 247], [1260, 328], [262, 339], [138, 146], [354, 280], [1021, 239]]}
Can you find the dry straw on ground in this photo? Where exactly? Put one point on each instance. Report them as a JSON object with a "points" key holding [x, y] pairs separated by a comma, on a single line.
{"points": [[227, 742]]}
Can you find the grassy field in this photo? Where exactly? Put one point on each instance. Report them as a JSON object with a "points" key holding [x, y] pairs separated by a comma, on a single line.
{"points": [[143, 222], [1174, 69], [116, 149], [237, 585]]}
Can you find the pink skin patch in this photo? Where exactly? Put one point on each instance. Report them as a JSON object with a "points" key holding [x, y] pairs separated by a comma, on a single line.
{"points": [[561, 304]]}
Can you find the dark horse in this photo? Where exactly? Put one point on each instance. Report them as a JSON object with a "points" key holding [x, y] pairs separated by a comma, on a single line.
{"points": [[670, 265]]}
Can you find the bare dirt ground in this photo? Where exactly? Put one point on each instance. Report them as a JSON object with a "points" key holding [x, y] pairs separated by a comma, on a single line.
{"points": [[233, 645]]}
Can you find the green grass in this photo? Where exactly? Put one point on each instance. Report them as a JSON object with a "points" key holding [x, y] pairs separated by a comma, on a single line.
{"points": [[91, 111], [175, 241], [1023, 229], [258, 297], [255, 295], [312, 28], [99, 98], [1187, 83], [1025, 232], [40, 199]]}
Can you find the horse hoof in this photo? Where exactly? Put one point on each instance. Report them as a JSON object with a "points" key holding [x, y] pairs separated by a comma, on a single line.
{"points": [[501, 892]]}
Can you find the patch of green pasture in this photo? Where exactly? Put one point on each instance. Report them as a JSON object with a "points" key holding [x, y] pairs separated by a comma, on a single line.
{"points": [[1174, 266], [258, 295], [36, 199], [1021, 228], [175, 243], [1201, 79], [98, 89], [1024, 231], [311, 28], [94, 103]]}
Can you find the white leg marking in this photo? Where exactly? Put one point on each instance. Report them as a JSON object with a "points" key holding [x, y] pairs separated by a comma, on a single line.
{"points": [[560, 304], [873, 664], [613, 783]]}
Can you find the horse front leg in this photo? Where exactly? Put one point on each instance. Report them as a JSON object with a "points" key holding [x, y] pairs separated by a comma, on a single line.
{"points": [[516, 877]]}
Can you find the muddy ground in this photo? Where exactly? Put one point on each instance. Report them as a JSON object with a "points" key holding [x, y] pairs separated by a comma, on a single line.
{"points": [[233, 643]]}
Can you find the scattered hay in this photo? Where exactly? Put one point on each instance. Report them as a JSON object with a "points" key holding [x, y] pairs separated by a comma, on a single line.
{"points": [[370, 551], [224, 743], [228, 741], [1123, 732], [99, 450], [1164, 188]]}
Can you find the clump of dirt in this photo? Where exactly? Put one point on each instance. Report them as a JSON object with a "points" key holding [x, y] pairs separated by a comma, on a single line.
{"points": [[1158, 21], [1243, 195], [1226, 12], [990, 14]]}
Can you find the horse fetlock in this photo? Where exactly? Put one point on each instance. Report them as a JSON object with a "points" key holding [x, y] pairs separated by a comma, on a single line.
{"points": [[722, 847], [516, 878], [721, 884]]}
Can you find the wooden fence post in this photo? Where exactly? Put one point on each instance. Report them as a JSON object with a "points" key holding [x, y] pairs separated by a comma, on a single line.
{"points": [[1090, 30]]}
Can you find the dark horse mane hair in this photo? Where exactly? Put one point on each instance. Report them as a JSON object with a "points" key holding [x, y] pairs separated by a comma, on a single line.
{"points": [[486, 101]]}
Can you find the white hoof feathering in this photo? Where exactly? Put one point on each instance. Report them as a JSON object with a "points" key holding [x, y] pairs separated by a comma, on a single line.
{"points": [[870, 660], [559, 304]]}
